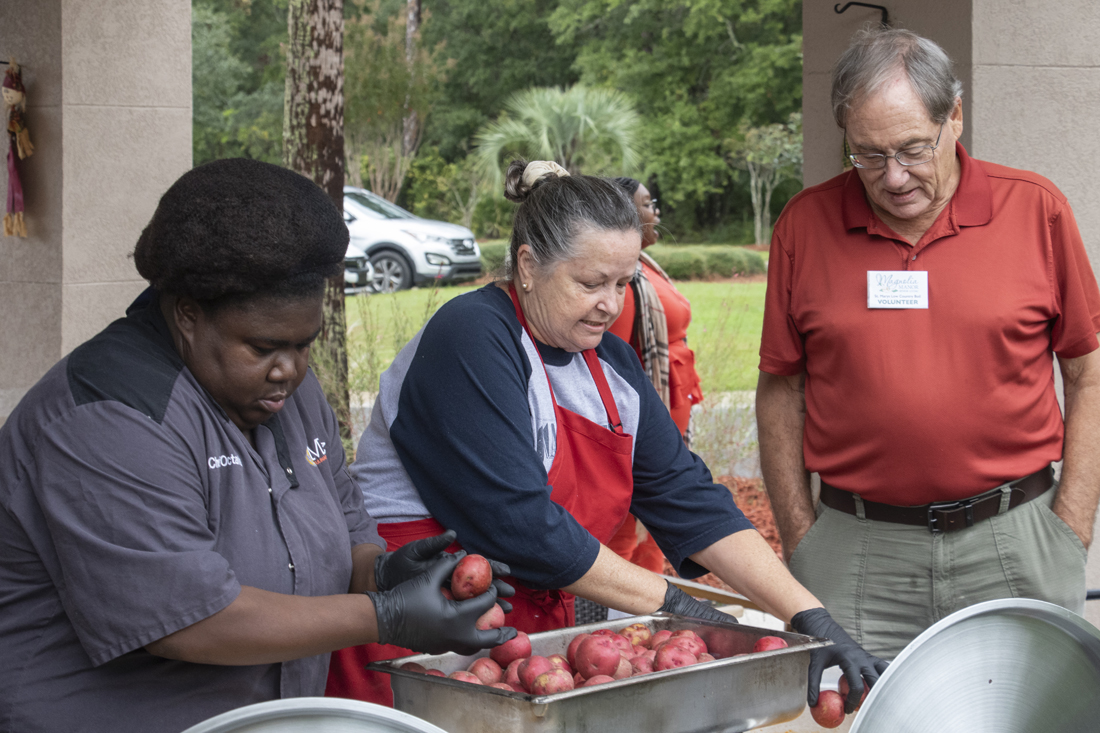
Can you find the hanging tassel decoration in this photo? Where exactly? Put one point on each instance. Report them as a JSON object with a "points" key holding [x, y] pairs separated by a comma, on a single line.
{"points": [[19, 138]]}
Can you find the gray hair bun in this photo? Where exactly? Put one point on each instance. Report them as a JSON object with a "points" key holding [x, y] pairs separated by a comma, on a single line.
{"points": [[522, 177]]}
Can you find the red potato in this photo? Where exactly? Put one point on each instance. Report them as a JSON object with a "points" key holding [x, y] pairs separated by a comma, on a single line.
{"points": [[768, 643], [602, 632], [623, 644], [571, 650], [597, 655], [671, 656], [511, 674], [578, 681], [845, 688], [447, 593], [680, 642], [486, 670], [829, 711], [471, 577], [597, 680], [517, 648], [639, 649], [659, 637], [624, 670], [491, 619], [705, 657], [642, 664], [414, 667], [554, 680], [464, 676], [559, 661], [637, 634], [502, 686], [436, 673], [698, 646], [531, 668]]}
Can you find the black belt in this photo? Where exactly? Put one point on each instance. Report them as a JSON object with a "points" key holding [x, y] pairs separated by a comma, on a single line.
{"points": [[945, 516]]}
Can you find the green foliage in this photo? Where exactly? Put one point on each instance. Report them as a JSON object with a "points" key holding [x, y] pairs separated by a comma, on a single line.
{"points": [[580, 128], [496, 48], [381, 87], [237, 80], [699, 68], [493, 255], [770, 154], [684, 263], [695, 262]]}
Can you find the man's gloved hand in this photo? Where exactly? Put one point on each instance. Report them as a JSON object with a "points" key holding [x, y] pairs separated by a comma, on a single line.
{"points": [[415, 615], [857, 664], [681, 604]]}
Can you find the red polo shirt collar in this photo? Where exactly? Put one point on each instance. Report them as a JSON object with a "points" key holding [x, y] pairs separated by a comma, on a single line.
{"points": [[971, 205]]}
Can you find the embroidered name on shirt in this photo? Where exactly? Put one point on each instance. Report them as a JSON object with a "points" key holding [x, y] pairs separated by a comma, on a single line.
{"points": [[316, 454], [223, 461]]}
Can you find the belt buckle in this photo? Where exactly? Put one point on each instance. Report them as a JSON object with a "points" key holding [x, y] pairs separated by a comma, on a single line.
{"points": [[967, 505]]}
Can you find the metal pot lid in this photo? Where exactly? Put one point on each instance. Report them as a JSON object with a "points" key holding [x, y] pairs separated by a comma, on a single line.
{"points": [[314, 714], [1007, 666]]}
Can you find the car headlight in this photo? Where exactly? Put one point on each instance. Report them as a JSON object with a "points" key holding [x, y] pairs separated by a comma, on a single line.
{"points": [[434, 259]]}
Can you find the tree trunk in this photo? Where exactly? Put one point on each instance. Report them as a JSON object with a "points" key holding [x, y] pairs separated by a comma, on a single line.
{"points": [[313, 145], [410, 139]]}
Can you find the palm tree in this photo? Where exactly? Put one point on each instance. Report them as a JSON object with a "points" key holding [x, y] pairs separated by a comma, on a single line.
{"points": [[579, 127]]}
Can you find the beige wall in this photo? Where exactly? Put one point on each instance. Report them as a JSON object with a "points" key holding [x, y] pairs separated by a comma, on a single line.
{"points": [[109, 112], [1031, 79]]}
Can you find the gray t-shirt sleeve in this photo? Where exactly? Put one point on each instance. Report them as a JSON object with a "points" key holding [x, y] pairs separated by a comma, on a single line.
{"points": [[128, 517]]}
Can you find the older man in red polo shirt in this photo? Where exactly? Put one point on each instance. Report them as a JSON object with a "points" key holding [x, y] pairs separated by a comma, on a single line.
{"points": [[914, 304]]}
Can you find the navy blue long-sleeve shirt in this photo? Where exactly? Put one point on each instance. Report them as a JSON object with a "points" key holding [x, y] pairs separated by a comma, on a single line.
{"points": [[463, 430]]}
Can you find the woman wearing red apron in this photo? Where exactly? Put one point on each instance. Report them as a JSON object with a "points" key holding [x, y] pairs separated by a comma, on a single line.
{"points": [[511, 419]]}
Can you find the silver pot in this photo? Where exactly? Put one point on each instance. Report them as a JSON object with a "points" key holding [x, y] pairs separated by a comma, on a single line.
{"points": [[1007, 666]]}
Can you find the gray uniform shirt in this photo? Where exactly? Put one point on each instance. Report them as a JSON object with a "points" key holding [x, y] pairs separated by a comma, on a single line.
{"points": [[130, 508]]}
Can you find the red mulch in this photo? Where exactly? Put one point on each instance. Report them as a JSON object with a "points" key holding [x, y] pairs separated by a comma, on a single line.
{"points": [[753, 501]]}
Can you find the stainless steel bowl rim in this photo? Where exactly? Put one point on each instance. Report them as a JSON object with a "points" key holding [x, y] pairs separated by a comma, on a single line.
{"points": [[322, 707]]}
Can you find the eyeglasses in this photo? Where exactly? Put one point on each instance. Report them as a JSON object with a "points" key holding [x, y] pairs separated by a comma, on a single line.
{"points": [[909, 156]]}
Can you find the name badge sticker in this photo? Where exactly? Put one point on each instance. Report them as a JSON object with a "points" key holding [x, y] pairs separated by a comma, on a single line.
{"points": [[897, 289]]}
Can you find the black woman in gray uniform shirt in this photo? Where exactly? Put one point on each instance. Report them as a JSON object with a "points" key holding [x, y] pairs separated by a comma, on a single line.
{"points": [[179, 535]]}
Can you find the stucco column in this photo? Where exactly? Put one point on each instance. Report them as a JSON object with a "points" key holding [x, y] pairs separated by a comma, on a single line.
{"points": [[109, 112], [1031, 99]]}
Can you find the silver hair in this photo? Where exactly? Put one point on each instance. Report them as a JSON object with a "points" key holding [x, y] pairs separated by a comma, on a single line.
{"points": [[554, 209], [876, 54]]}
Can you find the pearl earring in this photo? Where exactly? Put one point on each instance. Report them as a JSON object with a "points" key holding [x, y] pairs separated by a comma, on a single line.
{"points": [[525, 286]]}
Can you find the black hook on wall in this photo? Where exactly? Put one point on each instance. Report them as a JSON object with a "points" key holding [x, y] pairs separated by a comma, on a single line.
{"points": [[885, 13]]}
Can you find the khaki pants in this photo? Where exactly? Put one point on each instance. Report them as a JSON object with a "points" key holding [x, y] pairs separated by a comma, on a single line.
{"points": [[885, 583]]}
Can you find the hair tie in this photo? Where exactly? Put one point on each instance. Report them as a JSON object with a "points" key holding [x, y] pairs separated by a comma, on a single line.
{"points": [[538, 168]]}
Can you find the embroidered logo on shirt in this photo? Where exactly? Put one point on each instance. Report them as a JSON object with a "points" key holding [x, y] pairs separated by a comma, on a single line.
{"points": [[316, 455], [223, 461]]}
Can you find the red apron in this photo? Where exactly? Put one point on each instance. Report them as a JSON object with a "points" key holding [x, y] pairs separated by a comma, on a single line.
{"points": [[592, 479]]}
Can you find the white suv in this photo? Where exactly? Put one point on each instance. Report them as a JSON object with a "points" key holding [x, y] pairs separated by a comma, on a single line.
{"points": [[405, 249]]}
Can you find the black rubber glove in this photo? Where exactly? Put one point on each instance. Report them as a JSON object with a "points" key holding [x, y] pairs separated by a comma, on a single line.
{"points": [[415, 615], [681, 604], [408, 561], [856, 664]]}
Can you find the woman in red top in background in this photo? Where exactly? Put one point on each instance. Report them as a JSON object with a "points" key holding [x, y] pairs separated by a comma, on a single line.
{"points": [[654, 321]]}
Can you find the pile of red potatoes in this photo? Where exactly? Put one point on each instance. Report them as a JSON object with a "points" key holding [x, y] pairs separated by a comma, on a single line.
{"points": [[590, 659]]}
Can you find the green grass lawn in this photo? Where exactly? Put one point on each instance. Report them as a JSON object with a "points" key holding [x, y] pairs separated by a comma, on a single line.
{"points": [[724, 332], [726, 320]]}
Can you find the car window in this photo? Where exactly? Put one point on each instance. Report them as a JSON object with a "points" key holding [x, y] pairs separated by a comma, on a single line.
{"points": [[379, 207]]}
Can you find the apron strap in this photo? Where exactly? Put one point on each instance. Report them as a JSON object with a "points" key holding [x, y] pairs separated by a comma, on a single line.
{"points": [[590, 358], [604, 388]]}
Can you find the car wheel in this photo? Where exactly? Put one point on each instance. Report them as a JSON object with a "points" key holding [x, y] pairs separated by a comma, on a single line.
{"points": [[392, 272]]}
